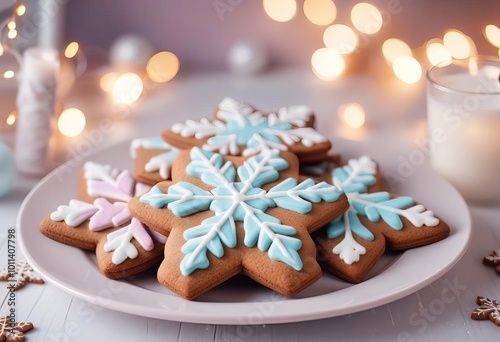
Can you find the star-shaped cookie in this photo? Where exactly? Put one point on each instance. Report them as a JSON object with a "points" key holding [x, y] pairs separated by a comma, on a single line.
{"points": [[228, 215]]}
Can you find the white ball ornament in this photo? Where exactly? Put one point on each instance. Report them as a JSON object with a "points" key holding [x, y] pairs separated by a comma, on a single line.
{"points": [[246, 58], [7, 170], [132, 51]]}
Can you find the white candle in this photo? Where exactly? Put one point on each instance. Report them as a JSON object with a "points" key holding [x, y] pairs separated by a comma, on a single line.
{"points": [[50, 34], [35, 107], [464, 127]]}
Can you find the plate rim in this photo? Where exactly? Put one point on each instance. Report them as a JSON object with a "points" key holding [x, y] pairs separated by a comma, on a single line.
{"points": [[286, 313]]}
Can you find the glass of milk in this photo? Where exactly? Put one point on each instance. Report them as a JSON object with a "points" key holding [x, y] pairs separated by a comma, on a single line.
{"points": [[463, 109]]}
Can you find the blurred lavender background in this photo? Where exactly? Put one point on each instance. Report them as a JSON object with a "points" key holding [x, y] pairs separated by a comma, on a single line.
{"points": [[199, 32]]}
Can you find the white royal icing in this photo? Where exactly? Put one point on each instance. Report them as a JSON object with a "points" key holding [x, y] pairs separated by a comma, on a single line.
{"points": [[295, 115], [147, 143], [354, 179], [105, 182], [75, 213], [241, 125]]}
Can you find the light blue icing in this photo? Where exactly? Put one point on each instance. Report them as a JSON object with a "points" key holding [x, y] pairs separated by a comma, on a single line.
{"points": [[299, 203], [360, 184], [222, 205], [153, 200], [252, 228], [175, 200], [302, 193], [154, 143], [268, 175], [374, 206], [292, 246], [201, 262], [170, 155], [268, 134], [245, 128], [226, 235], [239, 201], [253, 235], [382, 210], [336, 228], [331, 196], [198, 167], [375, 197], [7, 170], [285, 201]]}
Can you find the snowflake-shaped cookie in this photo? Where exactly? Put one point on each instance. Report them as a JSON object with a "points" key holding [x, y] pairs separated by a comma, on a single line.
{"points": [[489, 309], [238, 215], [351, 245], [239, 129], [13, 331], [153, 159], [101, 221], [23, 273], [493, 260]]}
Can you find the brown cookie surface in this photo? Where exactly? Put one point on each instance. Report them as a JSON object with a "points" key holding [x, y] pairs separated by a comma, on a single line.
{"points": [[488, 309], [350, 246], [231, 215], [153, 159]]}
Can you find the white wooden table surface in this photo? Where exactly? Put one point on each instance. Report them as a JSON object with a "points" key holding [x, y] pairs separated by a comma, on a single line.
{"points": [[396, 117]]}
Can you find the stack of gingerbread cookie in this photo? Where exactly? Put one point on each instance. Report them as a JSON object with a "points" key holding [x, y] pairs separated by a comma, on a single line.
{"points": [[233, 196]]}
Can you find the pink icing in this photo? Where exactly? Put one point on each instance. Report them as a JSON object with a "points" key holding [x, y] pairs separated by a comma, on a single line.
{"points": [[141, 235], [138, 232], [108, 184], [141, 189], [109, 215], [121, 189], [157, 236]]}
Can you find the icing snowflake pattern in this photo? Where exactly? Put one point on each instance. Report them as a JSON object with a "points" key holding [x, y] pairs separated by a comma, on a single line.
{"points": [[23, 273], [13, 331], [243, 200], [161, 162], [489, 309], [494, 258], [354, 179], [105, 183], [243, 126]]}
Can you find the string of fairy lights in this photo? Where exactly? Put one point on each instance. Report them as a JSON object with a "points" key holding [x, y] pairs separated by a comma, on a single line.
{"points": [[125, 85], [329, 62]]}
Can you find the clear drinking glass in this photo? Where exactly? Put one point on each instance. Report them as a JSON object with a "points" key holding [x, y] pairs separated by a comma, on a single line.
{"points": [[463, 109]]}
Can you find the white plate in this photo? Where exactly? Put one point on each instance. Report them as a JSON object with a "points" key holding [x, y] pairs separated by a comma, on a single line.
{"points": [[240, 300]]}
